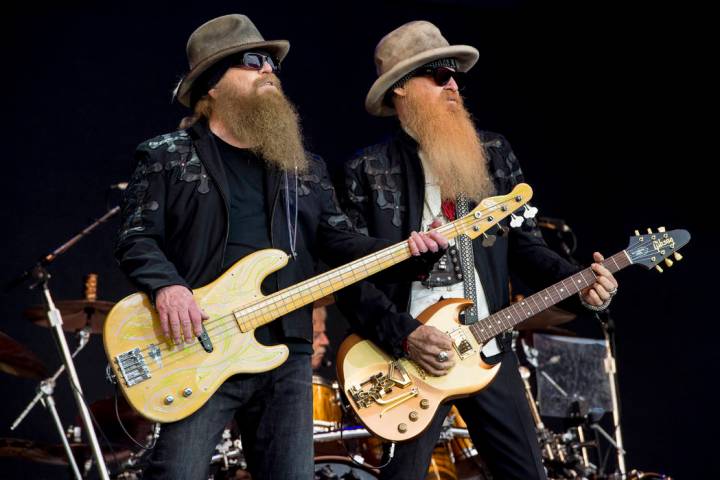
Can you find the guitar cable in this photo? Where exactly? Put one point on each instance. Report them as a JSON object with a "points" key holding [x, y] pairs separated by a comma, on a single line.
{"points": [[156, 428], [391, 453]]}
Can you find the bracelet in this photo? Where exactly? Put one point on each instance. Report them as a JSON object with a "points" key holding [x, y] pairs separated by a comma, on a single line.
{"points": [[594, 308]]}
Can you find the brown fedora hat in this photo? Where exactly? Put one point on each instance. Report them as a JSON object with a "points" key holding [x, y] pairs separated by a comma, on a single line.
{"points": [[403, 50], [219, 38]]}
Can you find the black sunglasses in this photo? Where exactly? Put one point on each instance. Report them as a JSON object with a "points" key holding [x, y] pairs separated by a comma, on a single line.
{"points": [[441, 75], [256, 60]]}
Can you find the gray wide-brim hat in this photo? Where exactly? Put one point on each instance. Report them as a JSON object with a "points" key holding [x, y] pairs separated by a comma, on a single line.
{"points": [[220, 38], [403, 50]]}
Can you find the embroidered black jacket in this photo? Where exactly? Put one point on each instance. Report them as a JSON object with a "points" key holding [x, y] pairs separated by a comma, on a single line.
{"points": [[383, 196], [175, 220]]}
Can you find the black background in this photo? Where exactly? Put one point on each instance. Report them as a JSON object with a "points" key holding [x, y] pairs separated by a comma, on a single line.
{"points": [[604, 103]]}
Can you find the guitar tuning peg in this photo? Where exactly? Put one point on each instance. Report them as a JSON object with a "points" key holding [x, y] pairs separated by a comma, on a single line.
{"points": [[637, 232], [516, 221], [650, 231], [659, 268], [661, 229], [677, 256], [530, 211], [668, 262]]}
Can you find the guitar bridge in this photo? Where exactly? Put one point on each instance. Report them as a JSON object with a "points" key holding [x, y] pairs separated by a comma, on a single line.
{"points": [[133, 368], [377, 388]]}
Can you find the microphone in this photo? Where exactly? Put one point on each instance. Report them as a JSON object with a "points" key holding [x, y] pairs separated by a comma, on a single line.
{"points": [[119, 186]]}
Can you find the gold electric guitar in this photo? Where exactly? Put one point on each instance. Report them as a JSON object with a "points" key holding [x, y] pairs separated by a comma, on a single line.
{"points": [[396, 399], [166, 383]]}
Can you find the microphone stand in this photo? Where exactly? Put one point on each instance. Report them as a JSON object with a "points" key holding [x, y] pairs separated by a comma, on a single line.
{"points": [[40, 276]]}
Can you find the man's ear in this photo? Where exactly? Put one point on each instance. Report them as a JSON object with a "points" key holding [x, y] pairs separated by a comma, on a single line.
{"points": [[400, 91]]}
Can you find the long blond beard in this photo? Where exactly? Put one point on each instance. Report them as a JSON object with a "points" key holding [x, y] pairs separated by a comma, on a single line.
{"points": [[268, 121], [450, 144]]}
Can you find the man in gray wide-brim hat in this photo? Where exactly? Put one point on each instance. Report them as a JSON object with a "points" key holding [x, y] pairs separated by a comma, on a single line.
{"points": [[234, 179], [433, 170]]}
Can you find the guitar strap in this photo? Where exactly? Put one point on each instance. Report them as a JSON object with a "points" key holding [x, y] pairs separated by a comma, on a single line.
{"points": [[467, 262]]}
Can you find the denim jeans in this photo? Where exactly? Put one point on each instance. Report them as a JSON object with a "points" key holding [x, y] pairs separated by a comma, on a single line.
{"points": [[274, 413]]}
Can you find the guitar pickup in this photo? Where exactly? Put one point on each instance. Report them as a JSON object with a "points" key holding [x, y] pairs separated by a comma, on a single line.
{"points": [[461, 344]]}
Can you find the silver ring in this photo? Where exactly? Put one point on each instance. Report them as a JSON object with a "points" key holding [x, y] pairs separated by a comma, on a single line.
{"points": [[442, 356], [612, 292]]}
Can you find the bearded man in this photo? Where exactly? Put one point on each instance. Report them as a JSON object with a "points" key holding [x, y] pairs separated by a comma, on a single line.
{"points": [[435, 168], [234, 180]]}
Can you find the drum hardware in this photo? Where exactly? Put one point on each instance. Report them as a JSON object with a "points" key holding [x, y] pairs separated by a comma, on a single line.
{"points": [[608, 328], [38, 275], [44, 395], [229, 453]]}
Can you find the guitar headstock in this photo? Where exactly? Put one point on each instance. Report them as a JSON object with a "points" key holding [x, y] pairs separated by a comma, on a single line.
{"points": [[491, 210], [651, 249]]}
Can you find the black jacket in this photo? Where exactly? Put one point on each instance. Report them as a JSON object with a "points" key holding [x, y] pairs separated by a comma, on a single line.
{"points": [[384, 195], [175, 220]]}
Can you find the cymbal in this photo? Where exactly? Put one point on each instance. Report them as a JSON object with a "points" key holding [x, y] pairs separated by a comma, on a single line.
{"points": [[551, 317], [16, 359], [75, 314], [51, 454]]}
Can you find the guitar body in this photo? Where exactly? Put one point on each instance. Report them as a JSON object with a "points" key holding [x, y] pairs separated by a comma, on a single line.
{"points": [[402, 412], [164, 396]]}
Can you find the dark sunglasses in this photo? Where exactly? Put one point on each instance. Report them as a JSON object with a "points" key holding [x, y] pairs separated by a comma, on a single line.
{"points": [[256, 60], [441, 75]]}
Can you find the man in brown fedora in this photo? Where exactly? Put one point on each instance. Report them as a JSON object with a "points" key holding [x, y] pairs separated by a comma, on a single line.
{"points": [[435, 168], [234, 180]]}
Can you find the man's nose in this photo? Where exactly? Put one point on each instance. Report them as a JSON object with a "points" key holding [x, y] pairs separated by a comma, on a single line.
{"points": [[266, 68], [452, 85]]}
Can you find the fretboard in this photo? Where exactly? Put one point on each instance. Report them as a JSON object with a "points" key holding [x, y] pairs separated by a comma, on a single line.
{"points": [[306, 292], [485, 329]]}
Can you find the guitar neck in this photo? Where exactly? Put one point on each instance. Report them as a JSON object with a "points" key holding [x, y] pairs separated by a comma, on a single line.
{"points": [[485, 329], [306, 292]]}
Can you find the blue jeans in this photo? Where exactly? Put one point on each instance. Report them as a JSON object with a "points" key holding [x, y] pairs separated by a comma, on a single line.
{"points": [[274, 413]]}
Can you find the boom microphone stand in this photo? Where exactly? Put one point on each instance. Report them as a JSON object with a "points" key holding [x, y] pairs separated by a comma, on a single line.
{"points": [[40, 276]]}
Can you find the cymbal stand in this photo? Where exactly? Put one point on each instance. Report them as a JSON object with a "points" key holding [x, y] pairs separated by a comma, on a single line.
{"points": [[608, 328], [83, 337]]}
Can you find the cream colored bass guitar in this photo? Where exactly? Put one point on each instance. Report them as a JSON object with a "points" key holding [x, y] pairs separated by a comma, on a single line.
{"points": [[396, 399], [166, 383]]}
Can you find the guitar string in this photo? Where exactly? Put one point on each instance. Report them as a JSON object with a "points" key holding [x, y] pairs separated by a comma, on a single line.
{"points": [[219, 322], [174, 350], [611, 258]]}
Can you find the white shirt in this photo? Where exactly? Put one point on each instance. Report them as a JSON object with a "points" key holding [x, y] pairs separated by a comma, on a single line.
{"points": [[421, 296]]}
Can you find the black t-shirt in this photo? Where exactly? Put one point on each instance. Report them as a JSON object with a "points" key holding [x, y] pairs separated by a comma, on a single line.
{"points": [[249, 230]]}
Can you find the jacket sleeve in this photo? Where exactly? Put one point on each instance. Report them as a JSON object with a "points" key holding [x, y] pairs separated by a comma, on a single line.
{"points": [[370, 312], [528, 254], [342, 243], [140, 245]]}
